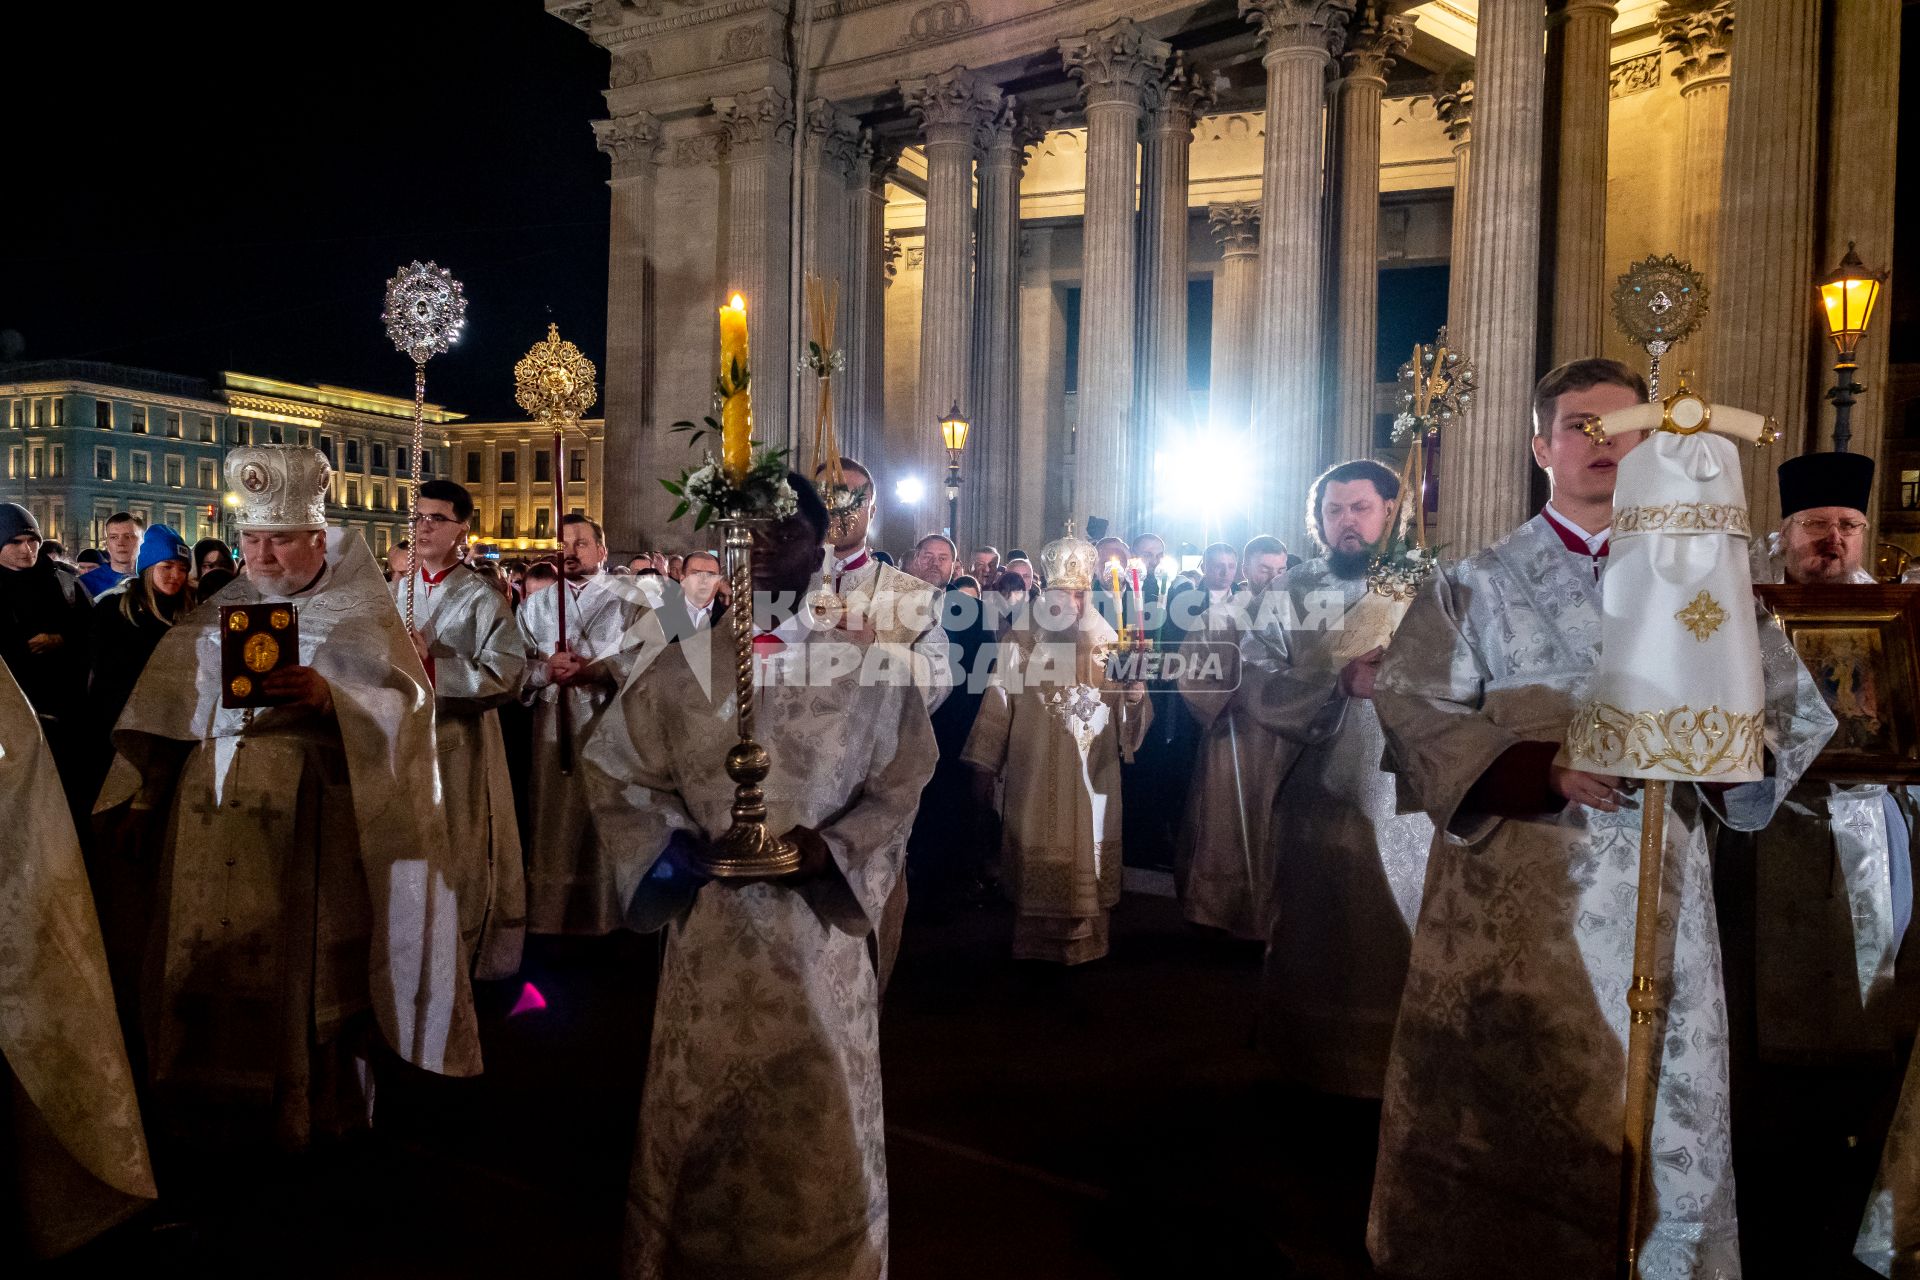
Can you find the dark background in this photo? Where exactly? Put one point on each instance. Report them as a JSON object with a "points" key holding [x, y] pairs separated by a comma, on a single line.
{"points": [[213, 185]]}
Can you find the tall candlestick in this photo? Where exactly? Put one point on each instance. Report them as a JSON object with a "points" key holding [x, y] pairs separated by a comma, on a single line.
{"points": [[736, 410]]}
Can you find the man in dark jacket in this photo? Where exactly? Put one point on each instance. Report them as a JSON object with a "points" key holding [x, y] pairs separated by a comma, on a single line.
{"points": [[44, 616]]}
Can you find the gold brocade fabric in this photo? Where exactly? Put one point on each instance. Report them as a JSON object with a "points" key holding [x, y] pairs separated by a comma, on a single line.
{"points": [[1705, 742], [1681, 517]]}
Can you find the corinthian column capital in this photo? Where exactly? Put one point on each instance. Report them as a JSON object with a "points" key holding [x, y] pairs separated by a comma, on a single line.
{"points": [[954, 105], [761, 118], [1177, 98], [629, 141], [1700, 36], [1455, 109], [1115, 63], [1299, 26], [1375, 41], [833, 137], [1236, 225]]}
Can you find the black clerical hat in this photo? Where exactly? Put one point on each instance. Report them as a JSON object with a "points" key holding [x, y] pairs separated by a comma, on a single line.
{"points": [[1825, 480]]}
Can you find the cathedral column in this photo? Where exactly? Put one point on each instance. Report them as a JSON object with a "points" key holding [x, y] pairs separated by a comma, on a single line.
{"points": [[991, 465], [1300, 37], [1768, 209], [861, 294], [1579, 49], [1701, 39], [759, 127], [1483, 459], [1455, 110], [953, 108], [632, 143], [832, 143], [1161, 397], [1861, 122], [1236, 312], [1114, 64], [1374, 41]]}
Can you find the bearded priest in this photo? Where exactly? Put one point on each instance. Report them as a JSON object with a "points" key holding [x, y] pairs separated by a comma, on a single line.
{"points": [[306, 899], [1348, 865], [474, 655], [1502, 1123], [762, 1150], [1055, 731], [1813, 911]]}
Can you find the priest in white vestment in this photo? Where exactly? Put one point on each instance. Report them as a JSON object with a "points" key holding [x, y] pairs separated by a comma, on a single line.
{"points": [[1348, 866], [901, 611], [77, 1153], [306, 899], [1055, 732], [474, 654], [1501, 1127], [1813, 911], [762, 1149], [1223, 864], [569, 883]]}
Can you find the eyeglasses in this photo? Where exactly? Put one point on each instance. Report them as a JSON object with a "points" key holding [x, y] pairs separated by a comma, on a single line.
{"points": [[432, 518], [1821, 528]]}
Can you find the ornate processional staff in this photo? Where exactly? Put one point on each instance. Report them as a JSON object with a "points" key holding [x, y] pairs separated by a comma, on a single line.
{"points": [[746, 492], [554, 383], [1678, 695], [1658, 302], [426, 308]]}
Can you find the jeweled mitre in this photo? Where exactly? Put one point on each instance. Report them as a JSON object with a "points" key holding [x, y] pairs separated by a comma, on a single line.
{"points": [[280, 486], [1678, 693], [1068, 562]]}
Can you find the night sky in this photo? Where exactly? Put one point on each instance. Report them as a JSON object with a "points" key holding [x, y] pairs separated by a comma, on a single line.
{"points": [[214, 185]]}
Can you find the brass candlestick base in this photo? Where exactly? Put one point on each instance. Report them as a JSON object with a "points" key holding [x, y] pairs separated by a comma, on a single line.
{"points": [[747, 850]]}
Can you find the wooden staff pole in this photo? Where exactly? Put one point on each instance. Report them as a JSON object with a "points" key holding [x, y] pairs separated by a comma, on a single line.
{"points": [[1643, 1000], [560, 601]]}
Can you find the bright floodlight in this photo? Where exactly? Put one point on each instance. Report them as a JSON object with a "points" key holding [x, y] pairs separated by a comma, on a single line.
{"points": [[1207, 473], [908, 491]]}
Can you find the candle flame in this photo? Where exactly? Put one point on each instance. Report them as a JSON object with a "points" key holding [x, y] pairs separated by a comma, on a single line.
{"points": [[737, 303]]}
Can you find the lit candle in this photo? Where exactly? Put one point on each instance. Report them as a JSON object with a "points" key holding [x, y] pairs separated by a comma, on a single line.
{"points": [[1119, 597], [736, 409], [1139, 602]]}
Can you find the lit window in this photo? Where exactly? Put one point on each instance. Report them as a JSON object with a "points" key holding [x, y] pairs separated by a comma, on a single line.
{"points": [[1910, 490]]}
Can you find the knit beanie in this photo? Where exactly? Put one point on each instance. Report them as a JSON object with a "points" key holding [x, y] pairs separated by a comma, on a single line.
{"points": [[16, 520], [160, 544]]}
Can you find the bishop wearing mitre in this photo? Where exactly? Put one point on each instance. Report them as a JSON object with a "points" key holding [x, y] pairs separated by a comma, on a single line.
{"points": [[305, 904], [1503, 1116], [1054, 729]]}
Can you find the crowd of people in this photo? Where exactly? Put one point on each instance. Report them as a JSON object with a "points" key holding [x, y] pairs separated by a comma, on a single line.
{"points": [[279, 898]]}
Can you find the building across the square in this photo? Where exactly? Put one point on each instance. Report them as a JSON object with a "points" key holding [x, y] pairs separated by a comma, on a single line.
{"points": [[84, 440]]}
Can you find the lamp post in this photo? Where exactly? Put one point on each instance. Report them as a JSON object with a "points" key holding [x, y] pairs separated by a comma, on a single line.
{"points": [[1846, 300], [953, 430]]}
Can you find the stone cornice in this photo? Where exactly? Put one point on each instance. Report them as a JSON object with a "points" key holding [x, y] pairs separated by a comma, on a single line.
{"points": [[1115, 63], [952, 101], [1700, 36], [1375, 41], [1236, 224], [1299, 26]]}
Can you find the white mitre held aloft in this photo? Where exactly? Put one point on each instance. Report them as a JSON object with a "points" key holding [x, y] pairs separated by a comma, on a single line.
{"points": [[1678, 694]]}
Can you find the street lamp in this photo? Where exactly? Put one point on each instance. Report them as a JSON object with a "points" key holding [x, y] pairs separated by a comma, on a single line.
{"points": [[1846, 300], [953, 430]]}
